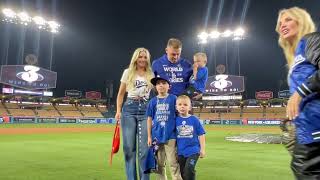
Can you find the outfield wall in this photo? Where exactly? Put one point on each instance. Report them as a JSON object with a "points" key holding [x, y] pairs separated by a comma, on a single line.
{"points": [[69, 120], [249, 121], [62, 120]]}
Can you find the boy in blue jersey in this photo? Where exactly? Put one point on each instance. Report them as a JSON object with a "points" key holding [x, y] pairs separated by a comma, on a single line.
{"points": [[190, 138], [176, 69], [161, 128], [199, 77]]}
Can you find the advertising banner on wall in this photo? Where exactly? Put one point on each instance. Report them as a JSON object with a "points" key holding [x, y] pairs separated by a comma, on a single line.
{"points": [[87, 121], [264, 95], [47, 120], [93, 95], [214, 121], [67, 120], [263, 122], [284, 94], [24, 120], [224, 84], [73, 93], [231, 122], [106, 121]]}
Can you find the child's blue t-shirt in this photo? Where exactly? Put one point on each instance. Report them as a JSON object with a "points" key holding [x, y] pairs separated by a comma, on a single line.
{"points": [[202, 77], [188, 130], [162, 111]]}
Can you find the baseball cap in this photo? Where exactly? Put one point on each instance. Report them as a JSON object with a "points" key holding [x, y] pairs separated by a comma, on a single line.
{"points": [[159, 77]]}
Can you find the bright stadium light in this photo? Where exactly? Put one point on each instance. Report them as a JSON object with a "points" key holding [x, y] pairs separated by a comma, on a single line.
{"points": [[10, 16], [24, 18], [203, 36], [203, 41], [237, 38], [227, 33], [40, 21], [54, 26], [214, 35], [239, 32], [9, 13]]}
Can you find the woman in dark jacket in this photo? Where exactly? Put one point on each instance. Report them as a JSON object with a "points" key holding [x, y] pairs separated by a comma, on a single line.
{"points": [[301, 46]]}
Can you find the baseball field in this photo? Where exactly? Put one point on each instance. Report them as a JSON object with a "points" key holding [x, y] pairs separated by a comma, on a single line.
{"points": [[82, 151]]}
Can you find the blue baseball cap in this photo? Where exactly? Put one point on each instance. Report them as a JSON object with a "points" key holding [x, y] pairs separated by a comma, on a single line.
{"points": [[159, 77]]}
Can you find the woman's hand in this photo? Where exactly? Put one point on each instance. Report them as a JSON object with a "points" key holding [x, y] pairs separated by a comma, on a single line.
{"points": [[149, 141], [293, 106], [118, 116]]}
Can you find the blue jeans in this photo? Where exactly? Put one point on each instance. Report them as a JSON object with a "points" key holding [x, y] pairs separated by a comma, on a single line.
{"points": [[134, 132], [188, 166]]}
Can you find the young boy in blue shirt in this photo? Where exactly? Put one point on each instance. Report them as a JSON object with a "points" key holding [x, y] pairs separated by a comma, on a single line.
{"points": [[161, 128], [199, 77], [190, 138]]}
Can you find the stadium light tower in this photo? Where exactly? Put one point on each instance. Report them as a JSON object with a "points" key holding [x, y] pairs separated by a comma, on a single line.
{"points": [[203, 37], [236, 35], [227, 33], [214, 34], [10, 16], [24, 18], [54, 26], [39, 21], [9, 13]]}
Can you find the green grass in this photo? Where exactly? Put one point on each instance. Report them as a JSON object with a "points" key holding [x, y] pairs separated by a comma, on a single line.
{"points": [[85, 156]]}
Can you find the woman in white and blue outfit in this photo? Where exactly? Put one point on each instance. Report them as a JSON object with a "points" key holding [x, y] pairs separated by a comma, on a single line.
{"points": [[135, 81]]}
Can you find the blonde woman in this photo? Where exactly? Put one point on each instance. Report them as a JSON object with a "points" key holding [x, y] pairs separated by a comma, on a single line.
{"points": [[136, 82], [301, 46]]}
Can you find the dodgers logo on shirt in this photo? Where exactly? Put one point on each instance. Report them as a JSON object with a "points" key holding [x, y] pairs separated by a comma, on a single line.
{"points": [[140, 84], [142, 88], [297, 60], [185, 131]]}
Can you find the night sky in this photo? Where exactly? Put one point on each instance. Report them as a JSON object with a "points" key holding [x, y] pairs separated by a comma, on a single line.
{"points": [[98, 37]]}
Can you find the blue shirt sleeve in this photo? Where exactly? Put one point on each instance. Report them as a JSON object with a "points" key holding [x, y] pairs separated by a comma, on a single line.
{"points": [[201, 73], [157, 67], [154, 67], [150, 108], [199, 128], [190, 70]]}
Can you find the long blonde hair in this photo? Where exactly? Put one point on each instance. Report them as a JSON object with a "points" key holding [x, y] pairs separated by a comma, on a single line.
{"points": [[132, 70], [305, 26]]}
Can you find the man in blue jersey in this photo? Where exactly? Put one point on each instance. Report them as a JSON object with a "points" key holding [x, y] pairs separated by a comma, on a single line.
{"points": [[178, 70]]}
